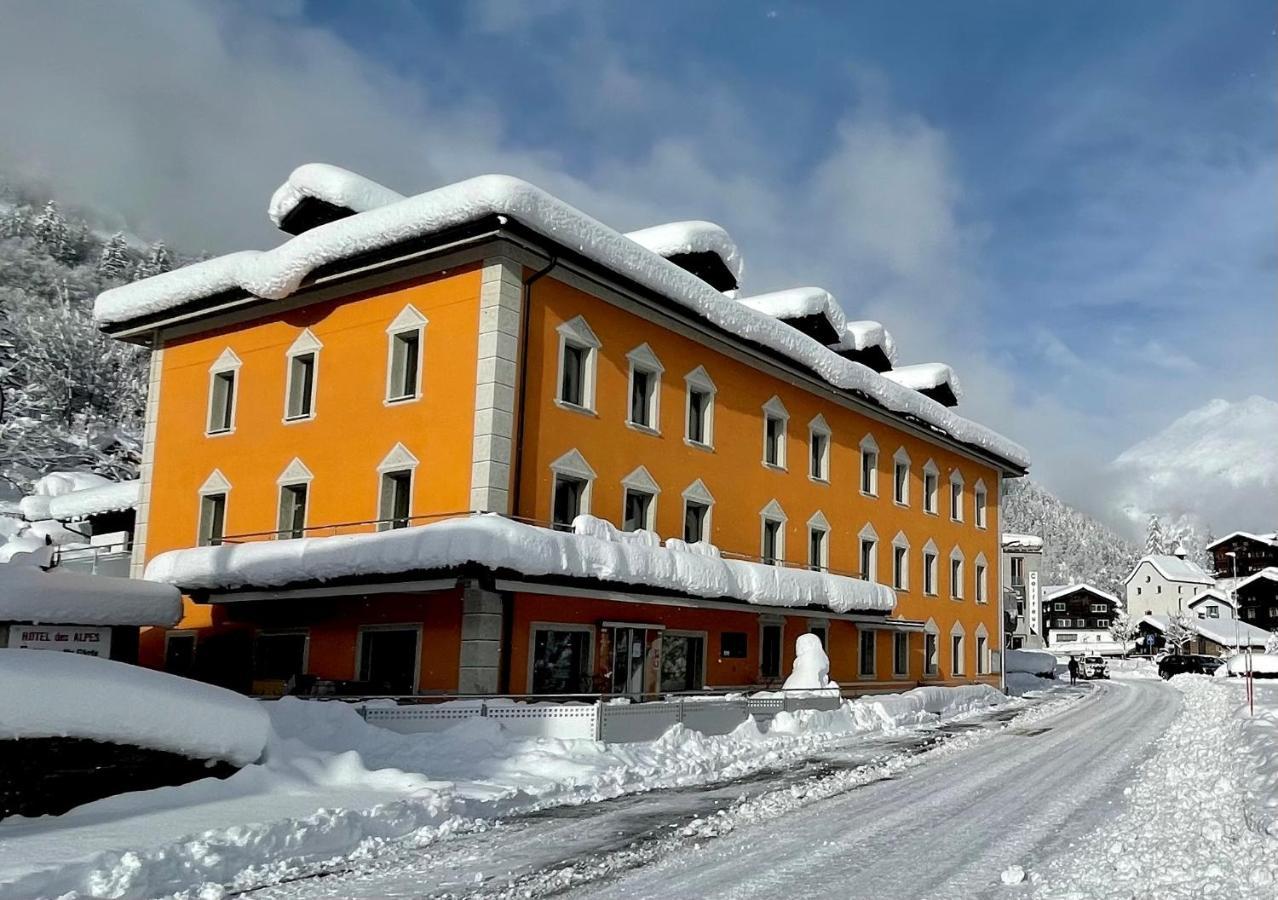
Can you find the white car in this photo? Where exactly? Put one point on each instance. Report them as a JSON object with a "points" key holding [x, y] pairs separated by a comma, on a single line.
{"points": [[1093, 667]]}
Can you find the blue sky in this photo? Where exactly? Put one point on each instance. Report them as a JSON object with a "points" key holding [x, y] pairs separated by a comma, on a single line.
{"points": [[1073, 203]]}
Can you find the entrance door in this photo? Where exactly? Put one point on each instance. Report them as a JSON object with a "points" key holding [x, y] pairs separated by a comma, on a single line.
{"points": [[681, 662], [388, 659], [629, 654]]}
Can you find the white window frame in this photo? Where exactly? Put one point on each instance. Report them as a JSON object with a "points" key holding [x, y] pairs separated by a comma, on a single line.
{"points": [[982, 575], [697, 492], [956, 499], [901, 459], [534, 627], [226, 362], [294, 474], [699, 380], [408, 320], [573, 465], [398, 459], [868, 535], [578, 333], [861, 673], [931, 499], [640, 481], [982, 650], [775, 409], [306, 344], [931, 570], [898, 671], [868, 446], [932, 667], [818, 428], [215, 485], [642, 359], [390, 626], [772, 513], [901, 573], [819, 524], [980, 505], [957, 575], [958, 662]]}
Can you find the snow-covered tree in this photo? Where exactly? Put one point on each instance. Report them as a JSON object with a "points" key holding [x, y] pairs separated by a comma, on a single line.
{"points": [[113, 262], [157, 262], [1271, 646], [50, 229], [1155, 540], [1179, 632], [1121, 627]]}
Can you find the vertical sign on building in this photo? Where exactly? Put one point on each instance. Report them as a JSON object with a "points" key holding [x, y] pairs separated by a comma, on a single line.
{"points": [[1035, 617]]}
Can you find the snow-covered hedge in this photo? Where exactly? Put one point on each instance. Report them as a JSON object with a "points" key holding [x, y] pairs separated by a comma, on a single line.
{"points": [[50, 694], [1034, 662]]}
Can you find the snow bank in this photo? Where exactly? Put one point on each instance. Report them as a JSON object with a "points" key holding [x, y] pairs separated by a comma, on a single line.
{"points": [[66, 695], [1033, 662], [926, 377], [30, 594], [109, 497], [674, 238], [1261, 664], [333, 185], [1019, 684], [277, 273], [597, 550]]}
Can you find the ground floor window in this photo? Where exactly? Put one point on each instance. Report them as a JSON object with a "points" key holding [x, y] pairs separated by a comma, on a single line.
{"points": [[732, 645], [956, 653], [770, 652], [901, 653], [179, 654], [982, 667], [682, 661], [931, 665], [279, 655], [822, 631], [388, 659], [868, 667], [561, 660]]}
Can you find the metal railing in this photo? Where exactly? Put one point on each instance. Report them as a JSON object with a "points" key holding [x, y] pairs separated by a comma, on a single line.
{"points": [[110, 559]]}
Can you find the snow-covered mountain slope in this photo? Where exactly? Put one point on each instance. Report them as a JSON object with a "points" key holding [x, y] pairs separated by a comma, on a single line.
{"points": [[1217, 463]]}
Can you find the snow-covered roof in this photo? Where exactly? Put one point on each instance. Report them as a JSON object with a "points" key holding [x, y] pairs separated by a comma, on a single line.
{"points": [[1173, 568], [677, 238], [927, 377], [67, 695], [1051, 592], [277, 273], [1270, 538], [112, 497], [1226, 631], [30, 594], [594, 550], [1212, 593], [864, 334], [1268, 574], [1021, 541], [797, 302], [331, 184]]}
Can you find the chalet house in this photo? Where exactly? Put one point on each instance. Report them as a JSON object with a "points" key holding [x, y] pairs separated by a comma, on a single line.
{"points": [[1258, 598], [1163, 585], [1241, 554], [473, 441], [1077, 617], [1022, 556], [1211, 636]]}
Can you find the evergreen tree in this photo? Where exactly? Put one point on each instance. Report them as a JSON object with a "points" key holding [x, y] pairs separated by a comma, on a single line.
{"points": [[156, 263], [113, 262], [50, 230], [1155, 541], [16, 223]]}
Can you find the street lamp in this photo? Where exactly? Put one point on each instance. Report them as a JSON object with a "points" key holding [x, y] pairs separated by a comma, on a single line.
{"points": [[1233, 589]]}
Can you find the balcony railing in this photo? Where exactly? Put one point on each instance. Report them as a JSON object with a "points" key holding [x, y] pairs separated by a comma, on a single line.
{"points": [[109, 559]]}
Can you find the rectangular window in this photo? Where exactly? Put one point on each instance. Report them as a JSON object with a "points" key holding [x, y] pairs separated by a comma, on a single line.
{"points": [[1059, 606], [901, 483], [1064, 623], [301, 386], [179, 654], [898, 568], [405, 364], [820, 462], [1104, 623], [771, 541], [931, 485], [279, 656], [868, 546], [396, 500], [1101, 607], [931, 662], [732, 645], [212, 519], [1213, 612], [956, 653], [222, 402], [642, 397], [929, 573], [901, 653], [572, 384], [867, 662], [869, 472], [770, 652], [980, 513], [292, 522], [567, 501], [388, 660], [561, 660], [699, 416], [638, 509], [774, 441], [956, 501], [694, 521], [816, 549], [956, 578], [821, 630], [682, 667], [981, 594], [982, 666], [1018, 570]]}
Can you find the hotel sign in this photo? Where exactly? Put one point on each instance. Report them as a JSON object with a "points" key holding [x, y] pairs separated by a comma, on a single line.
{"points": [[1031, 591], [84, 640]]}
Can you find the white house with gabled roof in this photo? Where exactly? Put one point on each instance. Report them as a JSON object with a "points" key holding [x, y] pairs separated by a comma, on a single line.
{"points": [[1164, 585]]}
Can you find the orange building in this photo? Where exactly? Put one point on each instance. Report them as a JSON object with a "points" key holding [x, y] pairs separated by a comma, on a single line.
{"points": [[324, 416]]}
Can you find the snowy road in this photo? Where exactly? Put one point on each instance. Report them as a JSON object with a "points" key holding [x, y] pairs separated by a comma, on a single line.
{"points": [[880, 819]]}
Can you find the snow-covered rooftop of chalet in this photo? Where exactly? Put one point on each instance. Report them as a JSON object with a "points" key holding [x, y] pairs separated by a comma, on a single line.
{"points": [[1026, 541], [30, 594], [333, 185], [1060, 590], [1173, 568], [1270, 538], [112, 497], [865, 333], [1269, 573], [1212, 593], [795, 303], [692, 237], [593, 550], [926, 377], [277, 273]]}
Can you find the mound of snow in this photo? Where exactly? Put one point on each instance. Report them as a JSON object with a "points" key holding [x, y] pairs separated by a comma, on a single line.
{"points": [[332, 184], [109, 497], [1261, 664], [811, 666], [66, 695], [1032, 662], [675, 238]]}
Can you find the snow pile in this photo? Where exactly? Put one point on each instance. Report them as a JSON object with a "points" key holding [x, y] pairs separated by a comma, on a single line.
{"points": [[110, 497], [1018, 684], [1261, 664], [30, 594], [1032, 662], [1260, 738], [67, 695], [332, 184], [675, 238], [864, 334], [57, 484], [277, 273], [596, 550], [1133, 668], [811, 670], [927, 377]]}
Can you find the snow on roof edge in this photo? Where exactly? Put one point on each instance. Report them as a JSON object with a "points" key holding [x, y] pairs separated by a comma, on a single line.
{"points": [[275, 274], [30, 594], [1258, 538], [861, 334], [332, 184], [693, 236], [91, 501], [927, 376], [1063, 589]]}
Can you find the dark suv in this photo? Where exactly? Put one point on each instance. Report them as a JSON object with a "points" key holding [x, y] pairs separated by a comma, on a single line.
{"points": [[1178, 663]]}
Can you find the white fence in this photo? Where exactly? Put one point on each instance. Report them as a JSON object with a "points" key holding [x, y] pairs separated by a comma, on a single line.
{"points": [[615, 722]]}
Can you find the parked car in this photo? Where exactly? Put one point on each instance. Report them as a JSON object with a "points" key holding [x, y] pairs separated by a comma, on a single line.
{"points": [[1179, 663], [1094, 667]]}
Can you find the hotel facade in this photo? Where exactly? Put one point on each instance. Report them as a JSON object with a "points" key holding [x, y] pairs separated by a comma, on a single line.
{"points": [[473, 441]]}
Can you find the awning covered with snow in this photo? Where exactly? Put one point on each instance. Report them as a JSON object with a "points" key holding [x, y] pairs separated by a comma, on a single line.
{"points": [[30, 594]]}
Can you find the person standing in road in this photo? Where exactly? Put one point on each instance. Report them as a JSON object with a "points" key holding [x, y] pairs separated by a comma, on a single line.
{"points": [[1073, 670]]}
